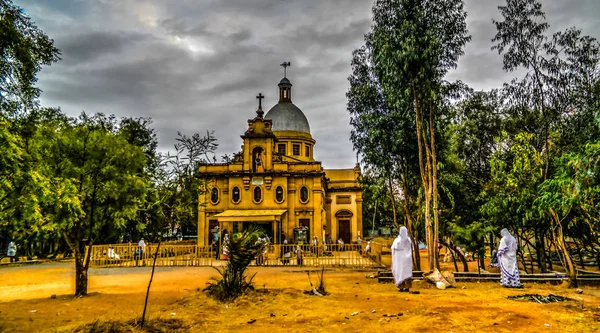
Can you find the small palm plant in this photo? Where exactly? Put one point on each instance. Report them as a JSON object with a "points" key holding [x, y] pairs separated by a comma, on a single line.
{"points": [[243, 248]]}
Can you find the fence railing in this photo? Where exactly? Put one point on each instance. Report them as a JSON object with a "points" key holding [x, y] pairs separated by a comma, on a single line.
{"points": [[131, 255], [330, 255]]}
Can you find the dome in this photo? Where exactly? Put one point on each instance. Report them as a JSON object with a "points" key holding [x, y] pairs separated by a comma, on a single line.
{"points": [[285, 82], [288, 117]]}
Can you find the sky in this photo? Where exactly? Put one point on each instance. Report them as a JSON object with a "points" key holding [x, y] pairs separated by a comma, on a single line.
{"points": [[197, 65]]}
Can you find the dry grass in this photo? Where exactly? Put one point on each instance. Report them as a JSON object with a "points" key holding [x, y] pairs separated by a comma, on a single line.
{"points": [[157, 325], [279, 304]]}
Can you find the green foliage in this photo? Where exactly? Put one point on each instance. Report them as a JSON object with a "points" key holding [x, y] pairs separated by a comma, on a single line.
{"points": [[24, 49], [243, 248]]}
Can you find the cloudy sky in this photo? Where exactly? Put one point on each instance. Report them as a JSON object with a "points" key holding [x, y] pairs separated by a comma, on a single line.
{"points": [[197, 65]]}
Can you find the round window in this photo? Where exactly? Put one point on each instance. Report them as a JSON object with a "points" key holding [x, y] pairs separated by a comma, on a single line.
{"points": [[304, 194]]}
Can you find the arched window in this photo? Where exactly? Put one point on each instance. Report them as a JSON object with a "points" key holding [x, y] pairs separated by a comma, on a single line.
{"points": [[257, 194], [279, 194], [214, 195], [235, 195], [304, 194]]}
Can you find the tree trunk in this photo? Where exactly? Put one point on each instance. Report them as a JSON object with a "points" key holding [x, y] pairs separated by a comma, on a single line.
{"points": [[436, 226], [424, 172], [559, 237], [540, 250], [481, 255], [150, 284], [81, 274], [416, 252], [411, 231], [393, 199], [453, 259]]}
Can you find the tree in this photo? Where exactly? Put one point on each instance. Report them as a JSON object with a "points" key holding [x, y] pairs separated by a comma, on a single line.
{"points": [[554, 101], [96, 177], [415, 43], [24, 49]]}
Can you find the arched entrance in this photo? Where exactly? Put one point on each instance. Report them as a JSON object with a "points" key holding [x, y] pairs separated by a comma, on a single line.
{"points": [[257, 159], [344, 217]]}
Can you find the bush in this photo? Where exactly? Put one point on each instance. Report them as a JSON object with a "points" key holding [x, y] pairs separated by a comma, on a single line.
{"points": [[243, 249]]}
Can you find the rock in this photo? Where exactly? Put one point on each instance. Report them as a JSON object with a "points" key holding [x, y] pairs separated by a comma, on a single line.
{"points": [[354, 313], [173, 314], [32, 311], [547, 325], [273, 315], [53, 296], [579, 291], [373, 311], [463, 287], [251, 321], [370, 276]]}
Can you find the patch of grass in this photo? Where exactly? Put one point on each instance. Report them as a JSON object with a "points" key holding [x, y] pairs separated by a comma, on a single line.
{"points": [[156, 325]]}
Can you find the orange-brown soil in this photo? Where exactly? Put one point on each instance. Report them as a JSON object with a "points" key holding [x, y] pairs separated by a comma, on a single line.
{"points": [[280, 305]]}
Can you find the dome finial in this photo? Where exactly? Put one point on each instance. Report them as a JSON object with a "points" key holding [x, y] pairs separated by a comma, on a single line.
{"points": [[285, 65]]}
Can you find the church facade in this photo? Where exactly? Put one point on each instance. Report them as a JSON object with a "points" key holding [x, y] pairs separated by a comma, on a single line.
{"points": [[276, 184]]}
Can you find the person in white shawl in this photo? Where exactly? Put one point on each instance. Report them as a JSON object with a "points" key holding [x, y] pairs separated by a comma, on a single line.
{"points": [[402, 260], [507, 259]]}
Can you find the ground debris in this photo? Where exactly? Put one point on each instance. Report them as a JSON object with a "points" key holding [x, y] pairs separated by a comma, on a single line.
{"points": [[541, 299]]}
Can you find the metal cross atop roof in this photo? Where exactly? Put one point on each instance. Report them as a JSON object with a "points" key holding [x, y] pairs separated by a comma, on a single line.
{"points": [[260, 97], [285, 65]]}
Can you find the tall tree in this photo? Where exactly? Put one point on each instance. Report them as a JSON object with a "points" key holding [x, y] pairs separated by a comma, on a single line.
{"points": [[415, 43]]}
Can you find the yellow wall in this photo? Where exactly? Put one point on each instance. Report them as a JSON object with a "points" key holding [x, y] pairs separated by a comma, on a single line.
{"points": [[291, 174]]}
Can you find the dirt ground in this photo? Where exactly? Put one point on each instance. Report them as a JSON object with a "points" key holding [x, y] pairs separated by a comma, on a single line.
{"points": [[356, 303]]}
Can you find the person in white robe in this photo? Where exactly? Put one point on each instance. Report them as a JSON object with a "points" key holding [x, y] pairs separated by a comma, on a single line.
{"points": [[507, 259], [402, 260]]}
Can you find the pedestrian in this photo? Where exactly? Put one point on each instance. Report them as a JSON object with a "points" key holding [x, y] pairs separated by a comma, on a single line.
{"points": [[402, 260], [494, 262], [12, 252], [299, 255], [225, 243], [367, 248], [507, 258]]}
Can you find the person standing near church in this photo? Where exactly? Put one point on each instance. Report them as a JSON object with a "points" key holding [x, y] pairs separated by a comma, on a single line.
{"points": [[12, 252], [299, 255], [507, 258], [402, 260]]}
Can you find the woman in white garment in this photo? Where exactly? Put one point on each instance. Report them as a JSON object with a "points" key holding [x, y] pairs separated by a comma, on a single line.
{"points": [[507, 259], [402, 260]]}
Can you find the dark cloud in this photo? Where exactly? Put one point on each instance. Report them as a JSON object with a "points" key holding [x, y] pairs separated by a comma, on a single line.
{"points": [[88, 46], [197, 66]]}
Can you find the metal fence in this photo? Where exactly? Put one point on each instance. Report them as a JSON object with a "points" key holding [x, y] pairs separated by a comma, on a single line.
{"points": [[330, 255], [130, 255]]}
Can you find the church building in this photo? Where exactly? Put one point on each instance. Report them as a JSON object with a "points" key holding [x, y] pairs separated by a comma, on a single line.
{"points": [[276, 183]]}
